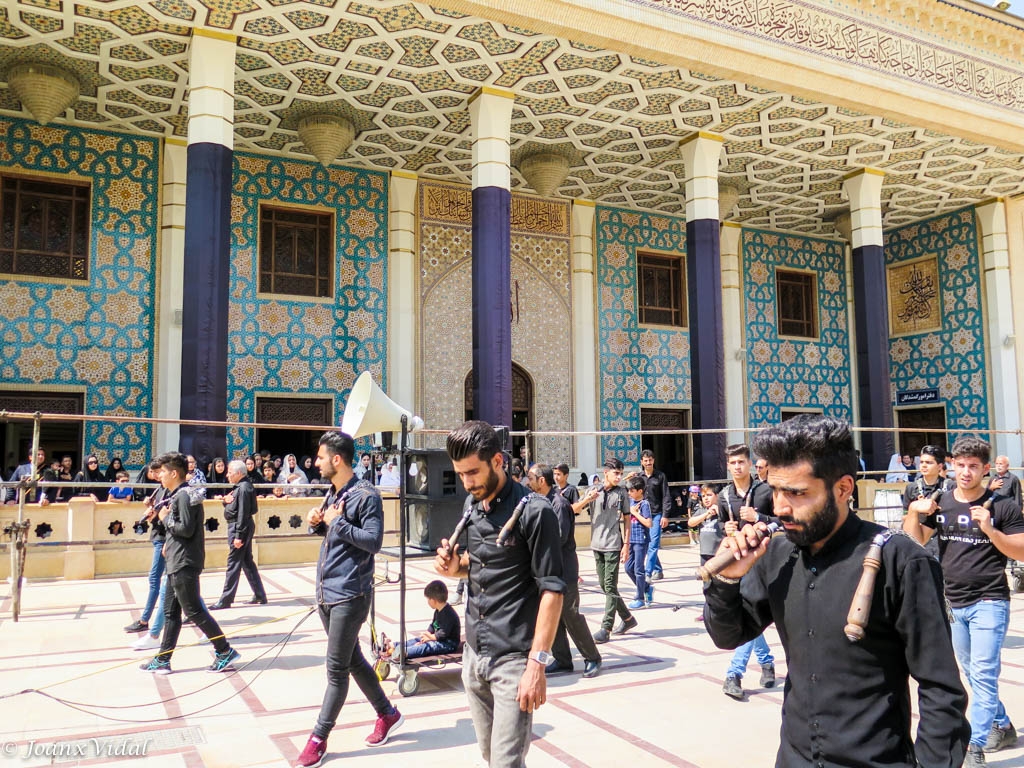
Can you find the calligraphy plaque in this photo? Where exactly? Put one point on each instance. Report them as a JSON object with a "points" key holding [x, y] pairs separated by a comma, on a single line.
{"points": [[915, 304], [453, 204]]}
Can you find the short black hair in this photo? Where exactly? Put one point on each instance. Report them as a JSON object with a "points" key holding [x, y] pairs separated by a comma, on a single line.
{"points": [[637, 483], [174, 461], [339, 444], [937, 453], [823, 441], [613, 462], [517, 471], [436, 590], [647, 454], [738, 449], [474, 438], [563, 468], [364, 456], [543, 470], [973, 447]]}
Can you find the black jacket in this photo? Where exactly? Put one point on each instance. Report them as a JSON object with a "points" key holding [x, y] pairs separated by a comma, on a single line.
{"points": [[185, 546], [239, 511]]}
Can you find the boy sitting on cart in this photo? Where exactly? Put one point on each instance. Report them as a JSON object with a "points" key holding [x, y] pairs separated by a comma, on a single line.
{"points": [[441, 637]]}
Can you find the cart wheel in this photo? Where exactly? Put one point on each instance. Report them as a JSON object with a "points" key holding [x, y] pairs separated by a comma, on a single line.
{"points": [[1018, 582], [408, 683], [382, 668]]}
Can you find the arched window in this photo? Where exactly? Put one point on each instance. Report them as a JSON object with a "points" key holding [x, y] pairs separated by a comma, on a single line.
{"points": [[522, 406]]}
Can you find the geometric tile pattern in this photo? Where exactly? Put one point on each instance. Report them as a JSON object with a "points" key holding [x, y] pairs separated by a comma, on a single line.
{"points": [[541, 324], [790, 373], [406, 71], [97, 333], [638, 365], [279, 345], [952, 359]]}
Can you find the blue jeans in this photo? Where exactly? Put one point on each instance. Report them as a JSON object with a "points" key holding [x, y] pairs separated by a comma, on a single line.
{"points": [[653, 564], [635, 567], [759, 646], [156, 571], [414, 649], [978, 633]]}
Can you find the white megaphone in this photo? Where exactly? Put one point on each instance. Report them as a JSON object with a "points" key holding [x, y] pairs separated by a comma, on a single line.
{"points": [[369, 410]]}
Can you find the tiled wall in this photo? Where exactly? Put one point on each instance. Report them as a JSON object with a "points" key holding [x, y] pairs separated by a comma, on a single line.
{"points": [[953, 358], [540, 308], [788, 373], [97, 335], [279, 345], [636, 365]]}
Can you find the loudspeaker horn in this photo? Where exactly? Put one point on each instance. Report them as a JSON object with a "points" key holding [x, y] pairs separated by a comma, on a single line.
{"points": [[369, 410]]}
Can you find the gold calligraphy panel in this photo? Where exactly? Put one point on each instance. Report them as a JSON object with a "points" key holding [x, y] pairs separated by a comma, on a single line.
{"points": [[914, 297], [453, 204]]}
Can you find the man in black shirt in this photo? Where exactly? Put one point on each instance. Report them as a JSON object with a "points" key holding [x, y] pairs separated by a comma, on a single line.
{"points": [[515, 595], [239, 508], [928, 481], [745, 500], [567, 489], [974, 543], [845, 703], [184, 557], [540, 477], [1004, 482], [657, 495]]}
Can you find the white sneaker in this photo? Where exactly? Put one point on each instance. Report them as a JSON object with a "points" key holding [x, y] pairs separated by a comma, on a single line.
{"points": [[146, 643]]}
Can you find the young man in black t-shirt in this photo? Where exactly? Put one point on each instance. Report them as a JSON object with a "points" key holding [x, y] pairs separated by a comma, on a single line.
{"points": [[974, 543]]}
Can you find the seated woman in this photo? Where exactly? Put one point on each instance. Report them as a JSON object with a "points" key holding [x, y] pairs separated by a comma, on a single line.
{"points": [[443, 634]]}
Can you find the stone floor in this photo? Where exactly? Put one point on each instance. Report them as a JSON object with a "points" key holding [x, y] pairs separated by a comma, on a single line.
{"points": [[658, 699]]}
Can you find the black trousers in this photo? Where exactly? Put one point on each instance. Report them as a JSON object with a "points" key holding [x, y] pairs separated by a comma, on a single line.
{"points": [[573, 623], [183, 594], [344, 658], [239, 561]]}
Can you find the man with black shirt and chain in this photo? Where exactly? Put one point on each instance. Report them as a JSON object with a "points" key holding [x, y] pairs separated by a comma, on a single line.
{"points": [[564, 487], [974, 543], [745, 500], [515, 594], [845, 703], [928, 481]]}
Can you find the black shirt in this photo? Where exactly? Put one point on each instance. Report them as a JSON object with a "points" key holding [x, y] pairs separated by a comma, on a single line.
{"points": [[571, 493], [446, 625], [239, 511], [972, 568], [505, 582], [731, 500], [848, 704], [1011, 487], [566, 535], [656, 492], [919, 489]]}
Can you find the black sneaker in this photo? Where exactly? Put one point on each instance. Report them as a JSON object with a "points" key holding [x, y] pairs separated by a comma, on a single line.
{"points": [[224, 661], [625, 625], [975, 757], [601, 636], [1000, 738], [157, 665], [137, 626], [732, 688], [768, 676]]}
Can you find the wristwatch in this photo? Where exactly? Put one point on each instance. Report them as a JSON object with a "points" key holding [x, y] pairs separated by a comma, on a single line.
{"points": [[541, 657]]}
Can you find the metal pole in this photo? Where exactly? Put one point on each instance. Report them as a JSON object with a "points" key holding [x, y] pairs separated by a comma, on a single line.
{"points": [[402, 512]]}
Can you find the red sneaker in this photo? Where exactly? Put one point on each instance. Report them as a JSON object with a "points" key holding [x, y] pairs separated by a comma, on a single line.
{"points": [[313, 754], [386, 725]]}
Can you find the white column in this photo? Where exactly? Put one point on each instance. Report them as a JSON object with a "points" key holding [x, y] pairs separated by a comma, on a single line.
{"points": [[402, 325], [490, 111], [701, 154], [864, 190], [733, 325], [843, 227], [1001, 338], [172, 281], [211, 96], [584, 332]]}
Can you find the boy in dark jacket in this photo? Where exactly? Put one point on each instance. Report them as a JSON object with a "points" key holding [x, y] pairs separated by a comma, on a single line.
{"points": [[184, 556], [351, 520]]}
